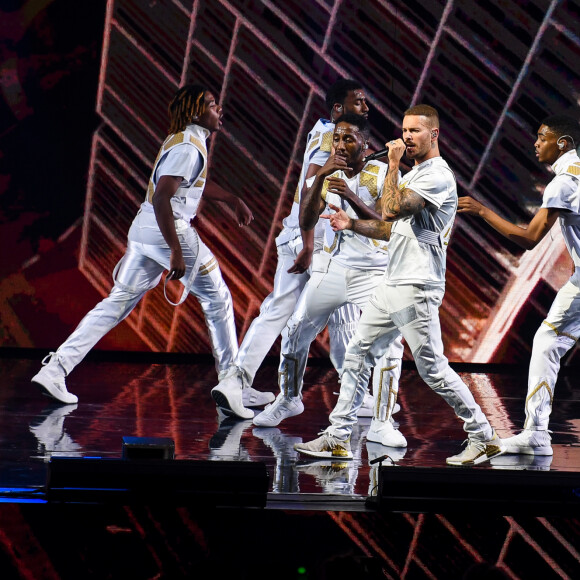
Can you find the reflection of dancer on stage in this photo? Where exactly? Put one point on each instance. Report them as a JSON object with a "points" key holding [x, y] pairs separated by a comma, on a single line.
{"points": [[161, 238], [558, 137], [53, 440], [418, 211]]}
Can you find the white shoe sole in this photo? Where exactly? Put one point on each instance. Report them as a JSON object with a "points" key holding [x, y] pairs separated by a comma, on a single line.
{"points": [[50, 390], [397, 441], [230, 408]]}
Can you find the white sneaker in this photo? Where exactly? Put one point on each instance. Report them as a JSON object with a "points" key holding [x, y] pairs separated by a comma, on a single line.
{"points": [[50, 379], [529, 442], [280, 409], [253, 398], [384, 433], [327, 446], [477, 451], [228, 395]]}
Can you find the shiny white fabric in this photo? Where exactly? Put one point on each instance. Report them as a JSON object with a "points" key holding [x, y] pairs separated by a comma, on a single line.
{"points": [[140, 269], [276, 310], [414, 312], [329, 288], [555, 337]]}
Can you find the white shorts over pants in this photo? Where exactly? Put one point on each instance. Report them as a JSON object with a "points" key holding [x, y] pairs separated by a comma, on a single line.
{"points": [[331, 286], [556, 336], [412, 311], [146, 257]]}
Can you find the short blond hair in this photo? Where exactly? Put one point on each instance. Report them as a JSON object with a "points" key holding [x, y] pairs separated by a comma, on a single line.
{"points": [[425, 111]]}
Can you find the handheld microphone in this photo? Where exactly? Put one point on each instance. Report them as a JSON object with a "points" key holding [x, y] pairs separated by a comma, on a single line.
{"points": [[376, 155]]}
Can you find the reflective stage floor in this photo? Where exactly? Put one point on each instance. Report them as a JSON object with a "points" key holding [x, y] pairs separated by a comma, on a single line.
{"points": [[140, 399], [317, 515]]}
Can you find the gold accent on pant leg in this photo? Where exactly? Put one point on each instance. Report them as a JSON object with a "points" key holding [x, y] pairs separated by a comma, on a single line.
{"points": [[536, 390], [283, 378], [390, 391]]}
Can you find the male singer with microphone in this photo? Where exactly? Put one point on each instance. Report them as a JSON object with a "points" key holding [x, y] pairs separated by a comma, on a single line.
{"points": [[346, 271], [558, 137], [418, 212]]}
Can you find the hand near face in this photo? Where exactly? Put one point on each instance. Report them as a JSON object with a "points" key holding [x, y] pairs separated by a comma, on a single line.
{"points": [[333, 163], [396, 150]]}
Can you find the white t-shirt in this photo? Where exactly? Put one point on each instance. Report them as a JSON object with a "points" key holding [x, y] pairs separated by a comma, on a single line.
{"points": [[563, 193], [413, 261], [347, 248]]}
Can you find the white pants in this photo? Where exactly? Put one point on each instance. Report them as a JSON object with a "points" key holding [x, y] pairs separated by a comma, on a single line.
{"points": [[328, 289], [555, 337], [140, 269], [277, 308], [412, 311]]}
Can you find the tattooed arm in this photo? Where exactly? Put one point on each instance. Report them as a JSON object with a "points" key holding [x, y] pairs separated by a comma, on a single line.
{"points": [[376, 229], [396, 204]]}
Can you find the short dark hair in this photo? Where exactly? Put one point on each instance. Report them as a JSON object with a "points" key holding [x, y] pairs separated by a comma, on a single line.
{"points": [[564, 126], [425, 111], [358, 120], [338, 91]]}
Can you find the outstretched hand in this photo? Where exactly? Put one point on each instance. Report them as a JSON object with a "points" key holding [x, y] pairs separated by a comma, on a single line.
{"points": [[244, 214], [339, 220], [469, 205]]}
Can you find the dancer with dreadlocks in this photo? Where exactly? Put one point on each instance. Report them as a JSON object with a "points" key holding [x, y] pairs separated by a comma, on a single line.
{"points": [[161, 238]]}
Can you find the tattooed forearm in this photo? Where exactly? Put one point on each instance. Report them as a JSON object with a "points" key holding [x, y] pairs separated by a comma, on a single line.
{"points": [[376, 229], [390, 202]]}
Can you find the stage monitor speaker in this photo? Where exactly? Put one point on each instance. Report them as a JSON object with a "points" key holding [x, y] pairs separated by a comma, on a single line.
{"points": [[206, 484], [148, 448], [502, 492]]}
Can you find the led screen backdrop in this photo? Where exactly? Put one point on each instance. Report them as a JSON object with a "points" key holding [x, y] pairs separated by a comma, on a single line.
{"points": [[494, 69]]}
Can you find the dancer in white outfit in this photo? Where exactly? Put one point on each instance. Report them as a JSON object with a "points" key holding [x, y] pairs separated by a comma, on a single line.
{"points": [[161, 238], [295, 252], [348, 269], [419, 211], [558, 137]]}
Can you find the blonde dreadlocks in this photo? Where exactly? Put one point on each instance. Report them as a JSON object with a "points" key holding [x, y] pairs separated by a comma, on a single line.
{"points": [[187, 104]]}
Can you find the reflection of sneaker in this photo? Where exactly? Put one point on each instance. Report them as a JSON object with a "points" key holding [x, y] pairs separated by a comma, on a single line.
{"points": [[282, 445], [529, 442], [282, 408], [254, 398], [327, 446], [522, 462], [50, 378], [226, 441], [384, 433], [48, 428], [391, 454], [386, 456], [228, 395], [333, 476], [285, 478], [477, 451]]}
